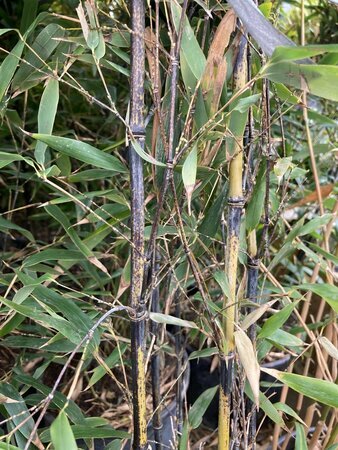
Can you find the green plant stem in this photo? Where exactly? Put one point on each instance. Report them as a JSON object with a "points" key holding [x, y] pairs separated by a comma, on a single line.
{"points": [[138, 339]]}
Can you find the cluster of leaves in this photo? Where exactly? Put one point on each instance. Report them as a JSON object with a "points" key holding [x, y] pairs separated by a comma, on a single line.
{"points": [[65, 220]]}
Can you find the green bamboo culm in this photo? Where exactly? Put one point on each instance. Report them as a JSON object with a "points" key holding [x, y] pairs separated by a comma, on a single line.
{"points": [[138, 320], [235, 206]]}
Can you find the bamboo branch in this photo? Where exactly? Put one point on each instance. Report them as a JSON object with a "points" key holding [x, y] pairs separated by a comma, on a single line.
{"points": [[138, 340]]}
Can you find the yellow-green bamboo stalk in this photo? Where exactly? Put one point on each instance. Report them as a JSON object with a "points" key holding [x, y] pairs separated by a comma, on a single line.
{"points": [[235, 205]]}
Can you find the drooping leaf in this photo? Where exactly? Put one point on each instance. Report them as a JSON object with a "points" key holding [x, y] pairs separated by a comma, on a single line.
{"points": [[46, 116], [171, 320], [248, 359], [189, 171]]}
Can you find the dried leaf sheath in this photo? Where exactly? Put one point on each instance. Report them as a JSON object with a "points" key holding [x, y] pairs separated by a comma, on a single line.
{"points": [[137, 226]]}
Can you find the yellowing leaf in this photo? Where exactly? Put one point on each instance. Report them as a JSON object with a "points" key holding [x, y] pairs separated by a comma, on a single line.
{"points": [[248, 358]]}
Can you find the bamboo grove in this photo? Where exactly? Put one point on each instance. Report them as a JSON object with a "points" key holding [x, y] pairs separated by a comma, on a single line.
{"points": [[168, 226]]}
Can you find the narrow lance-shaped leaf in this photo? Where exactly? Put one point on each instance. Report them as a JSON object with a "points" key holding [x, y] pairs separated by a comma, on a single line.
{"points": [[248, 359], [189, 171], [46, 116], [328, 292], [276, 320], [322, 391], [61, 433], [82, 151]]}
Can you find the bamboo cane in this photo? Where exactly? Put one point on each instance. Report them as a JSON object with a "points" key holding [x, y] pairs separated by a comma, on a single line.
{"points": [[235, 205], [137, 226]]}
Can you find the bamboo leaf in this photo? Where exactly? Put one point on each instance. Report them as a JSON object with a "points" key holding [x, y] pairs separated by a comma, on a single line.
{"points": [[189, 46], [328, 292], [200, 406], [266, 405], [331, 349], [46, 116], [8, 158], [8, 67], [322, 391], [61, 433], [171, 320], [300, 443], [82, 151], [276, 321], [287, 410], [255, 206], [189, 171], [248, 359], [52, 255], [112, 360], [313, 78], [295, 53], [146, 156], [43, 46]]}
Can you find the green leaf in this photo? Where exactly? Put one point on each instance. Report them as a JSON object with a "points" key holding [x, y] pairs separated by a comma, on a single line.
{"points": [[287, 410], [112, 360], [276, 321], [266, 405], [46, 116], [300, 443], [223, 282], [311, 226], [7, 225], [8, 158], [328, 292], [8, 67], [52, 255], [313, 78], [82, 151], [189, 171], [29, 11], [245, 103], [200, 406], [89, 432], [205, 353], [296, 53], [285, 339], [193, 53], [43, 46], [61, 433], [171, 320], [18, 410], [146, 156], [320, 390], [256, 203]]}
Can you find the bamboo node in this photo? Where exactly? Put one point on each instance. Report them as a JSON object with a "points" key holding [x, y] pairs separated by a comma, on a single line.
{"points": [[138, 315], [236, 202], [253, 263]]}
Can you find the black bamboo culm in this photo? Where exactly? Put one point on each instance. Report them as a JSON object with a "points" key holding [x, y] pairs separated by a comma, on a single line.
{"points": [[252, 264], [156, 366], [137, 225], [235, 205]]}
